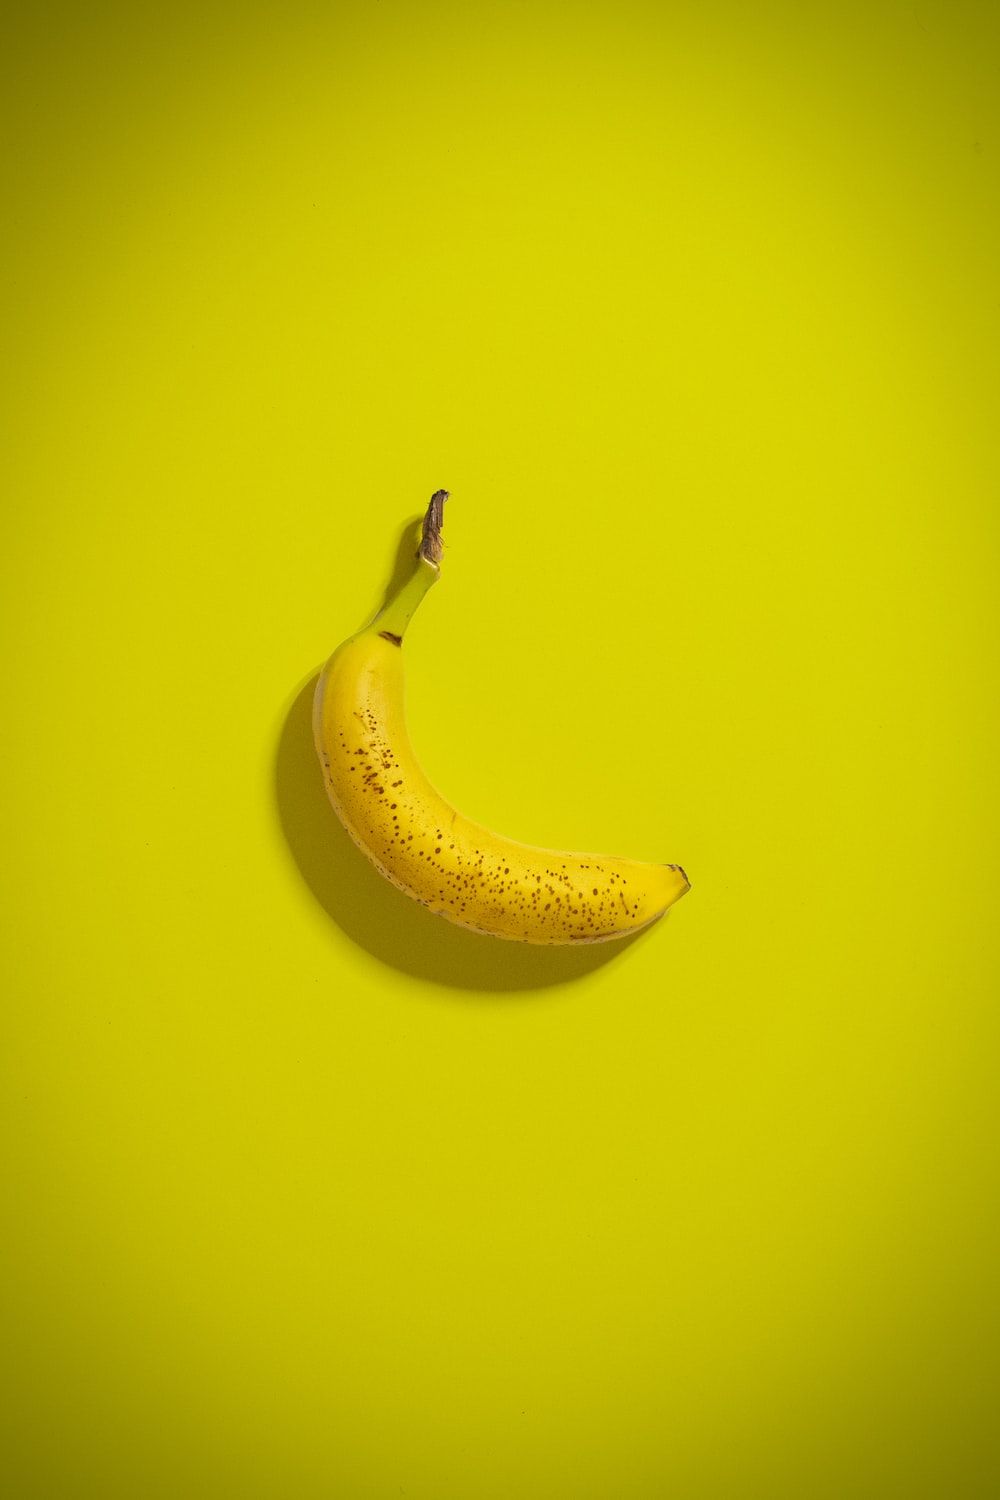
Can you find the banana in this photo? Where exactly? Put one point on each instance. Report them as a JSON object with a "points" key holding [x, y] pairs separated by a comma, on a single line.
{"points": [[455, 867]]}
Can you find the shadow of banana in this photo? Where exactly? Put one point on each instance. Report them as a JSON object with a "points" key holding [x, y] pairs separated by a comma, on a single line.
{"points": [[390, 925]]}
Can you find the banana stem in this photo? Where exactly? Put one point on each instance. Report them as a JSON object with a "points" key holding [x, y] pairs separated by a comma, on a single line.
{"points": [[431, 547], [393, 618]]}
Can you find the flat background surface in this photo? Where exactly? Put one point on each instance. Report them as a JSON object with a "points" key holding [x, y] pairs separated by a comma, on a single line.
{"points": [[695, 311]]}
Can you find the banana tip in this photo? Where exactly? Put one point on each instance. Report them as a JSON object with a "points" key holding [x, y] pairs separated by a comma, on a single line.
{"points": [[682, 873]]}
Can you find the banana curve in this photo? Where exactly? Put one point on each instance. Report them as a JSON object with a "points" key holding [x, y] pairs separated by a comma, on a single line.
{"points": [[424, 846]]}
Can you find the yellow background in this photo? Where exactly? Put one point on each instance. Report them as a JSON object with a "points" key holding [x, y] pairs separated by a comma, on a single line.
{"points": [[694, 308]]}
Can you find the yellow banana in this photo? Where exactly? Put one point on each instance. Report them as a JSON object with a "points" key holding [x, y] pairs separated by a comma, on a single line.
{"points": [[454, 866]]}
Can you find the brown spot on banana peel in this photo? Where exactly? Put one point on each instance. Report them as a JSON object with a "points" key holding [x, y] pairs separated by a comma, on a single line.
{"points": [[388, 635]]}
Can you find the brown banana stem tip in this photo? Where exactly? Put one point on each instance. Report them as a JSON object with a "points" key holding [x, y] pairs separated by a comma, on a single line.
{"points": [[431, 547]]}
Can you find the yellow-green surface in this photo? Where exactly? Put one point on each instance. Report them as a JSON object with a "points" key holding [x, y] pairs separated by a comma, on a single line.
{"points": [[694, 308]]}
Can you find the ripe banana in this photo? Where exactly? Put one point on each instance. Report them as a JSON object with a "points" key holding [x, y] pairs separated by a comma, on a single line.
{"points": [[454, 866]]}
